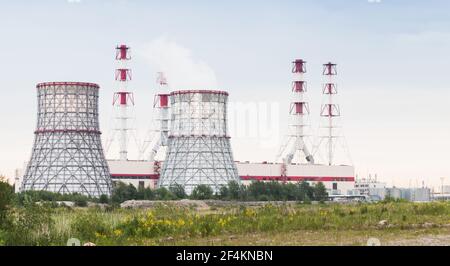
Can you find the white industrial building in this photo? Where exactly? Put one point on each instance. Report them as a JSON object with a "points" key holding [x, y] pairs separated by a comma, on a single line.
{"points": [[138, 173], [197, 120], [442, 194], [370, 187], [338, 180]]}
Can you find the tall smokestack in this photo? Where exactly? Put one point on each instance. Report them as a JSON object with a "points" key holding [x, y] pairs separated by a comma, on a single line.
{"points": [[299, 111], [123, 99]]}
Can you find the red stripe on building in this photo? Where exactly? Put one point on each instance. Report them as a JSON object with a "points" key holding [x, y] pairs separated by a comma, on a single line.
{"points": [[299, 178], [256, 178], [143, 176]]}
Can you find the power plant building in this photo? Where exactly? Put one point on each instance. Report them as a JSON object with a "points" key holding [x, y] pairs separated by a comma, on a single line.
{"points": [[199, 150], [68, 156]]}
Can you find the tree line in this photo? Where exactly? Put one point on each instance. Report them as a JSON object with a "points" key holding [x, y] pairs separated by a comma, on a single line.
{"points": [[255, 191]]}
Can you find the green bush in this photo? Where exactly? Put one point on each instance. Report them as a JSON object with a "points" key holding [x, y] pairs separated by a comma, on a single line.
{"points": [[145, 194], [123, 192], [80, 202], [46, 196], [320, 192], [202, 192], [178, 191], [103, 199], [6, 198], [224, 193], [89, 225], [277, 191], [235, 191], [163, 194], [263, 198], [31, 225]]}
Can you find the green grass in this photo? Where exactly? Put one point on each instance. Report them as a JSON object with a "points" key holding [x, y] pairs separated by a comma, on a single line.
{"points": [[324, 224]]}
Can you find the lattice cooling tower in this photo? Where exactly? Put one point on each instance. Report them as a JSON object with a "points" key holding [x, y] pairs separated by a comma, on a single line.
{"points": [[199, 150], [67, 156]]}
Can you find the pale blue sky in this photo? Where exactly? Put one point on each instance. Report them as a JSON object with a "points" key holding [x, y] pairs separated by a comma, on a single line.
{"points": [[392, 56]]}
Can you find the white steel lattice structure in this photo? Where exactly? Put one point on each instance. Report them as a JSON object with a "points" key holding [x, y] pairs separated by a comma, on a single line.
{"points": [[199, 151], [123, 99], [295, 145], [332, 140], [161, 103], [67, 156], [330, 110]]}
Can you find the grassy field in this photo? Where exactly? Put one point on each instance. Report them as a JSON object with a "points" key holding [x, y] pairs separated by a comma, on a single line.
{"points": [[394, 223]]}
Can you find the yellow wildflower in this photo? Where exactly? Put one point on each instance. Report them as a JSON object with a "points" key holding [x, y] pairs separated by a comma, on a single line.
{"points": [[250, 212], [181, 222], [118, 232]]}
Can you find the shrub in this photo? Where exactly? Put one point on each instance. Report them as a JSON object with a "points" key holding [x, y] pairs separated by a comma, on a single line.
{"points": [[305, 192], [81, 202], [145, 194], [235, 190], [46, 196], [320, 192], [307, 200], [163, 194], [178, 191], [6, 198], [123, 192], [389, 199], [224, 193], [103, 199], [89, 225], [202, 192], [264, 191], [263, 198], [30, 225], [363, 209]]}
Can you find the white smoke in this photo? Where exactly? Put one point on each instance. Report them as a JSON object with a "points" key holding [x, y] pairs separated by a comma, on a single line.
{"points": [[180, 68]]}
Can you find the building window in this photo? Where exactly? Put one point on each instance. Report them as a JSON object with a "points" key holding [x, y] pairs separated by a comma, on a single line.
{"points": [[335, 186], [141, 185]]}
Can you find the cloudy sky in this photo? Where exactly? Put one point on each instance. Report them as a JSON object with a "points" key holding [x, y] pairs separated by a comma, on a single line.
{"points": [[392, 57]]}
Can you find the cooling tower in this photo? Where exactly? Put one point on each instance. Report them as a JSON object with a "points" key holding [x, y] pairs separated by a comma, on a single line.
{"points": [[67, 155], [199, 150]]}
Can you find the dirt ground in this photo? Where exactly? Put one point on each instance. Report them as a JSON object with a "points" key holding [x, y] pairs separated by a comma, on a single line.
{"points": [[427, 240], [419, 237]]}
